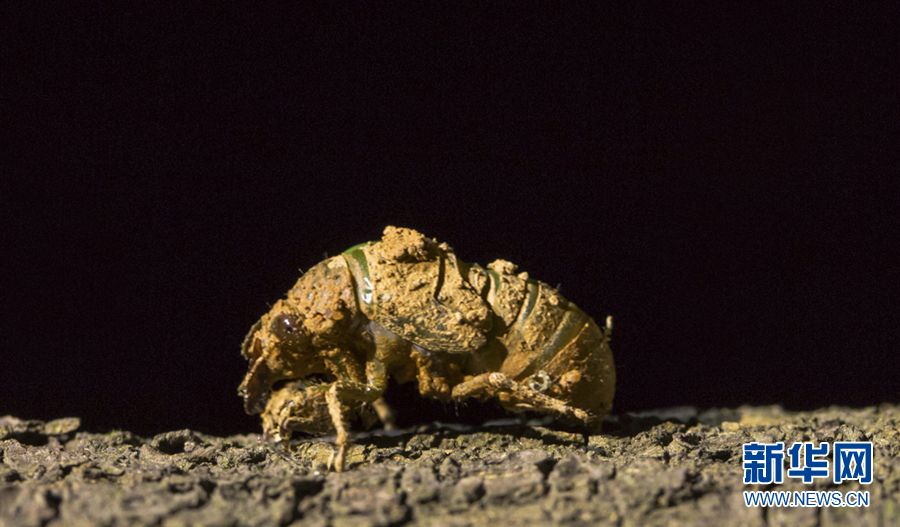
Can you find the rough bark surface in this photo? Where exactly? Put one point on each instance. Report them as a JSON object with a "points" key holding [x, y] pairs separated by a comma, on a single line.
{"points": [[671, 467]]}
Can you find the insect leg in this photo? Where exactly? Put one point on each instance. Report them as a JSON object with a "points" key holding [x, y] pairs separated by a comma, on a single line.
{"points": [[343, 438], [385, 414], [355, 392], [515, 396]]}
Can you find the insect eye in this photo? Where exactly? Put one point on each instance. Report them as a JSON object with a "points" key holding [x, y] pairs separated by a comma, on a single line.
{"points": [[288, 328], [285, 323]]}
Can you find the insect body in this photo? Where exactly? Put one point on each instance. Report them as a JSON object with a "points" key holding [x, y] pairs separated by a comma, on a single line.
{"points": [[406, 307]]}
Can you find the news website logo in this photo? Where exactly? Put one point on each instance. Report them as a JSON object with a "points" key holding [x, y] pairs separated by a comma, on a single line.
{"points": [[850, 461]]}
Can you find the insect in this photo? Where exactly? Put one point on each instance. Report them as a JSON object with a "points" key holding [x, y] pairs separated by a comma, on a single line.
{"points": [[405, 307]]}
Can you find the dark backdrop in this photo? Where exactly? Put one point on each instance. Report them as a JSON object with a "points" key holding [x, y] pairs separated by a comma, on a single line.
{"points": [[722, 181]]}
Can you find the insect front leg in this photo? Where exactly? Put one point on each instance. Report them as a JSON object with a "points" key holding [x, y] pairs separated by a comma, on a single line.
{"points": [[389, 352], [353, 393], [516, 396]]}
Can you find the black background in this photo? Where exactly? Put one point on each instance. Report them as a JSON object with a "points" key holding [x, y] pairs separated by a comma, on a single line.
{"points": [[722, 181]]}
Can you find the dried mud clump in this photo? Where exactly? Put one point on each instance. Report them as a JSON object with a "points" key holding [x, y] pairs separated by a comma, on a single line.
{"points": [[675, 467]]}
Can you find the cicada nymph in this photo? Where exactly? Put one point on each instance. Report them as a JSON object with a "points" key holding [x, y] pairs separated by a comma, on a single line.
{"points": [[405, 307]]}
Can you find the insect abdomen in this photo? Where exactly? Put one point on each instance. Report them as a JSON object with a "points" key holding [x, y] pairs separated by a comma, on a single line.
{"points": [[547, 335]]}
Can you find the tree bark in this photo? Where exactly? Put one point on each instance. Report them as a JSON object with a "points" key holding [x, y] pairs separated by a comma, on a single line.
{"points": [[670, 467]]}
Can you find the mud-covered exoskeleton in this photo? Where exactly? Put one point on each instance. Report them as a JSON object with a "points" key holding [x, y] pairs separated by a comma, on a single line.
{"points": [[406, 307]]}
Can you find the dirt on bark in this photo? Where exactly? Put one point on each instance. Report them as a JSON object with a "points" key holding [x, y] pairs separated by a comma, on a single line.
{"points": [[670, 467]]}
